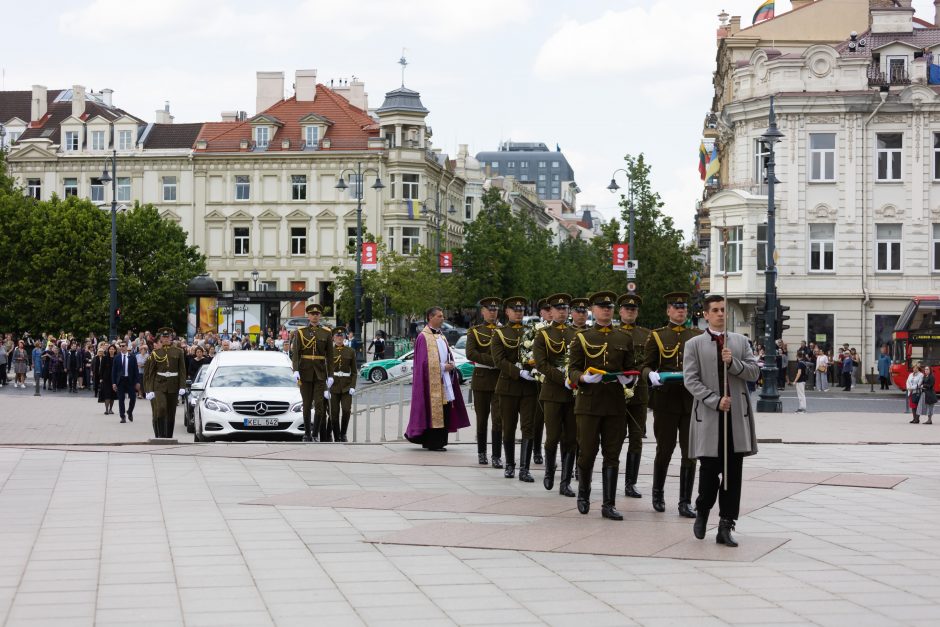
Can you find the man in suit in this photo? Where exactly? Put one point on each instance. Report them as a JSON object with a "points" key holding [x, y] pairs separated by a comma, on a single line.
{"points": [[124, 379], [722, 430]]}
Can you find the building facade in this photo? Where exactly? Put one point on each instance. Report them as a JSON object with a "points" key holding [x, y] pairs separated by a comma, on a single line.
{"points": [[549, 172]]}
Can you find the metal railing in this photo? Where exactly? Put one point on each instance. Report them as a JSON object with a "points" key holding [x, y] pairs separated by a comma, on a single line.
{"points": [[896, 75]]}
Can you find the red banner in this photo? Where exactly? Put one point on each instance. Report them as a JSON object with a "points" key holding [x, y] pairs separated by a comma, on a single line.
{"points": [[370, 256], [446, 262], [621, 254]]}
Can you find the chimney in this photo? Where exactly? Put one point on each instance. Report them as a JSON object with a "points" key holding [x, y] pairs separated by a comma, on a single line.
{"points": [[39, 104], [229, 116], [890, 16], [796, 4], [107, 97], [305, 85], [270, 90], [78, 101], [163, 115], [936, 13], [734, 25]]}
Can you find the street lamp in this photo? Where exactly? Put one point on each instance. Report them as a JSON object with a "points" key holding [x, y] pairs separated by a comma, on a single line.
{"points": [[357, 286], [112, 282], [254, 278], [613, 187], [769, 396]]}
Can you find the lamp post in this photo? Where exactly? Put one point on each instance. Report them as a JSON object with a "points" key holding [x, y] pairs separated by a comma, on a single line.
{"points": [[357, 286], [254, 278], [3, 135], [613, 187], [769, 396], [112, 282]]}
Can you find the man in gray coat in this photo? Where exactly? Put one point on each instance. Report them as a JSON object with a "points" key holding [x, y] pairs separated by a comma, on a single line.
{"points": [[720, 413]]}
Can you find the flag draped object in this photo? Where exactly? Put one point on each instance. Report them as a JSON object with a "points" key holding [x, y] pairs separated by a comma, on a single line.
{"points": [[764, 12], [714, 165], [702, 159]]}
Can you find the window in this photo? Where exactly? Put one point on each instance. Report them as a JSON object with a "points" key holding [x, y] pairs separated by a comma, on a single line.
{"points": [[935, 247], [391, 187], [897, 69], [523, 177], [556, 177], [556, 164], [734, 250], [884, 326], [523, 164], [14, 135], [262, 136], [298, 240], [888, 247], [936, 156], [241, 241], [761, 154], [351, 241], [97, 190], [240, 286], [71, 140], [169, 188], [541, 191], [124, 189], [312, 137], [510, 164], [889, 156], [468, 208], [125, 141], [391, 239], [409, 239], [267, 286], [542, 164], [34, 188], [71, 187], [822, 244], [298, 186], [541, 177], [822, 156], [242, 187], [97, 140], [819, 329], [495, 164], [409, 186], [355, 186]]}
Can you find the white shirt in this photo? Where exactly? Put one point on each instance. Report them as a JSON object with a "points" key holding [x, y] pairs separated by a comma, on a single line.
{"points": [[822, 360], [914, 381], [445, 376]]}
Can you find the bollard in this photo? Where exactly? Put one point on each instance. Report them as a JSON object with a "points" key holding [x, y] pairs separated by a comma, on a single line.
{"points": [[36, 393], [871, 380]]}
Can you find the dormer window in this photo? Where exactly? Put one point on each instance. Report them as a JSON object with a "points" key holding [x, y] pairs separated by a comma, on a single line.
{"points": [[311, 137], [71, 141], [314, 128], [262, 136], [896, 69]]}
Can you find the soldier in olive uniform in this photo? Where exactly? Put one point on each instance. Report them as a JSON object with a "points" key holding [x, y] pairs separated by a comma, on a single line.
{"points": [[579, 313], [550, 350], [344, 385], [636, 406], [483, 382], [164, 382], [538, 425], [311, 353], [515, 388], [600, 406], [671, 402]]}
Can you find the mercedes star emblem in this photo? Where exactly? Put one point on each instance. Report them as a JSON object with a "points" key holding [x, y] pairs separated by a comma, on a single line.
{"points": [[261, 409]]}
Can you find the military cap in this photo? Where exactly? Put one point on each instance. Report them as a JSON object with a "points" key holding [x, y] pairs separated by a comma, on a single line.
{"points": [[580, 303], [677, 299], [314, 308], [490, 302], [629, 300], [339, 331], [165, 331], [559, 299], [543, 304], [603, 299], [514, 302]]}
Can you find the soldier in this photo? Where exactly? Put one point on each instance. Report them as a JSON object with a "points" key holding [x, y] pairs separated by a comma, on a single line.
{"points": [[485, 376], [636, 406], [515, 388], [670, 401], [579, 313], [344, 376], [164, 382], [550, 350], [600, 406], [311, 353], [545, 320]]}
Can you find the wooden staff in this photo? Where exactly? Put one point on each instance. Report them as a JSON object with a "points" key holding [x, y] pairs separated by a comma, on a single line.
{"points": [[726, 391]]}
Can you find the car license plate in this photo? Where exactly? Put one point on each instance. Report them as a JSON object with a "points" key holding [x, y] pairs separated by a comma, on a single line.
{"points": [[261, 422]]}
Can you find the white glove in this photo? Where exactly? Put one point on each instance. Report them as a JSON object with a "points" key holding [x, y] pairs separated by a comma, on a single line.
{"points": [[182, 391], [654, 379], [352, 391], [326, 394], [296, 376], [592, 378], [329, 382], [568, 385], [525, 374], [625, 380], [150, 396]]}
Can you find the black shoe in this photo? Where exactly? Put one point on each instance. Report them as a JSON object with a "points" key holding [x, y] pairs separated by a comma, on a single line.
{"points": [[701, 522], [510, 471], [482, 460], [725, 527], [609, 475], [537, 449], [551, 458], [630, 474], [659, 500], [584, 495], [496, 462], [686, 482], [567, 470], [916, 421], [123, 420], [130, 416], [307, 438], [525, 458]]}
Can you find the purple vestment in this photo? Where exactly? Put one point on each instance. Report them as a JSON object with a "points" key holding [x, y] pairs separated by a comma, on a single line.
{"points": [[420, 419]]}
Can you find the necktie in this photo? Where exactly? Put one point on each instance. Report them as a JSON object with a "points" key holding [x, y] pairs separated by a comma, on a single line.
{"points": [[719, 338]]}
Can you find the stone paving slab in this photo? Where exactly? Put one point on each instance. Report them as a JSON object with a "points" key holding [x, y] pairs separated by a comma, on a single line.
{"points": [[750, 548], [859, 480]]}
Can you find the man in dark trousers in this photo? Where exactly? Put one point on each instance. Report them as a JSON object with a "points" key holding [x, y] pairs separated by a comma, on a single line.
{"points": [[722, 430], [636, 406], [311, 353], [483, 381], [344, 385], [124, 380], [164, 382]]}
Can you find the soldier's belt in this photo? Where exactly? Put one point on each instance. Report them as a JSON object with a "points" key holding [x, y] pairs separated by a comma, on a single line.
{"points": [[484, 367], [315, 357], [341, 374], [168, 374]]}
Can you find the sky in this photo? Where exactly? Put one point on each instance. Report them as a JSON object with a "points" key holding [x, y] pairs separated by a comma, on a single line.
{"points": [[601, 79]]}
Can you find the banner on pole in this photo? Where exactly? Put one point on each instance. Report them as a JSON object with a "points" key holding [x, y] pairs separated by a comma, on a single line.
{"points": [[446, 262], [370, 256], [621, 253]]}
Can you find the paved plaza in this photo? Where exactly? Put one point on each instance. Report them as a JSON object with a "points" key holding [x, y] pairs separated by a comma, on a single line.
{"points": [[101, 528]]}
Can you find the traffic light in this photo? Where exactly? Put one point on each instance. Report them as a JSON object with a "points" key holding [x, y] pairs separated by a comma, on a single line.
{"points": [[782, 317], [367, 311], [117, 314], [760, 321]]}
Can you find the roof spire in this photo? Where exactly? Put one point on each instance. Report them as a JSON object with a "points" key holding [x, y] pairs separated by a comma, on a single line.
{"points": [[403, 63]]}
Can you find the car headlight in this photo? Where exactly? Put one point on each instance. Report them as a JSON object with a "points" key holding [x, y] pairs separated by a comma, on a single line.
{"points": [[217, 405], [297, 407]]}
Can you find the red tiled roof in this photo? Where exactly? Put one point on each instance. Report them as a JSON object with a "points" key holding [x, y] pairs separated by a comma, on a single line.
{"points": [[351, 127], [18, 104]]}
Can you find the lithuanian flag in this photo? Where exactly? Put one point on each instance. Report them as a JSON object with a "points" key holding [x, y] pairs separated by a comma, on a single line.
{"points": [[764, 12], [702, 159]]}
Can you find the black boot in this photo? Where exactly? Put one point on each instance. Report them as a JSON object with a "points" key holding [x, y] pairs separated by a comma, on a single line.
{"points": [[537, 449], [701, 522], [584, 493], [497, 442], [630, 474], [659, 495], [525, 458], [481, 449], [725, 527], [307, 437], [551, 459], [315, 430], [686, 481], [608, 510], [567, 470], [510, 449]]}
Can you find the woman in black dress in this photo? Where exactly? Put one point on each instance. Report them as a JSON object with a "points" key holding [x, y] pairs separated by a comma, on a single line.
{"points": [[194, 362], [103, 375]]}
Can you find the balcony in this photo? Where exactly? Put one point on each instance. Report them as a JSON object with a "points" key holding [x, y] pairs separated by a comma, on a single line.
{"points": [[896, 75]]}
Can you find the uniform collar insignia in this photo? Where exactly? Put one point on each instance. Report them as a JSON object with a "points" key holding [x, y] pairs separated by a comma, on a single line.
{"points": [[677, 328], [606, 329]]}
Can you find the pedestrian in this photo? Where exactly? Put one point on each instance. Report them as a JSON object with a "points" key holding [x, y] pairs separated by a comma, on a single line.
{"points": [[20, 359], [483, 381], [312, 358], [164, 382], [629, 305], [928, 397], [37, 364], [848, 366], [783, 363], [58, 369], [124, 380], [3, 364], [344, 386], [822, 367], [717, 364], [378, 346], [884, 367], [437, 406], [106, 393], [913, 387], [141, 354], [799, 383]]}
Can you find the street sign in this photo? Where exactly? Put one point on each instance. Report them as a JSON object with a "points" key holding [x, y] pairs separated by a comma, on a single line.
{"points": [[621, 252], [370, 256], [631, 286], [631, 273]]}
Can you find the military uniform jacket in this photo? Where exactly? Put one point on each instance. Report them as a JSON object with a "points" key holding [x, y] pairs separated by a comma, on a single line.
{"points": [[344, 369], [669, 358], [606, 349], [506, 349], [311, 353], [639, 335], [550, 350], [165, 370], [485, 372]]}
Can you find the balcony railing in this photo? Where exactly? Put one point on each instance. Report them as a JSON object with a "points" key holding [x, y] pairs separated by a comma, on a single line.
{"points": [[895, 75]]}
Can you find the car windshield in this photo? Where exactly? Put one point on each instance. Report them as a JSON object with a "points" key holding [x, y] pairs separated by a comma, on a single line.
{"points": [[253, 376]]}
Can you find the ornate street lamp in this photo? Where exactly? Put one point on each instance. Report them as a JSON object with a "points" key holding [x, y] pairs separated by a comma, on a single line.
{"points": [[613, 187], [113, 281]]}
